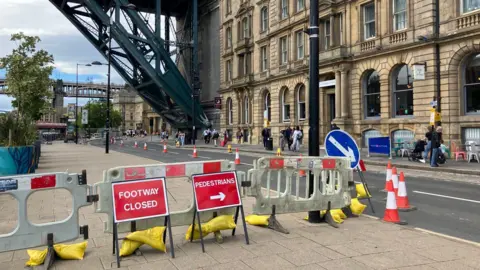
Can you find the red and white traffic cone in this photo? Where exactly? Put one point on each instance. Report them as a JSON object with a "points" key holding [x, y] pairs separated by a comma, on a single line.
{"points": [[301, 172], [165, 148], [121, 143], [145, 147], [391, 210], [237, 157], [402, 198], [136, 144], [395, 181], [388, 176], [194, 152]]}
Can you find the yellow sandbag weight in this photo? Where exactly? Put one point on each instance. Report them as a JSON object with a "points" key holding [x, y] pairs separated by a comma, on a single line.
{"points": [[152, 237], [257, 220], [361, 192], [37, 257], [357, 207], [128, 247], [219, 223], [71, 252]]}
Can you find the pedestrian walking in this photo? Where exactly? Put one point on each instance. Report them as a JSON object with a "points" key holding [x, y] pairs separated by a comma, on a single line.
{"points": [[436, 142], [297, 136], [215, 136]]}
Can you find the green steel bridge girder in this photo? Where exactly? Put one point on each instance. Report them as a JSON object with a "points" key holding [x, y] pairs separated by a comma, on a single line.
{"points": [[139, 46]]}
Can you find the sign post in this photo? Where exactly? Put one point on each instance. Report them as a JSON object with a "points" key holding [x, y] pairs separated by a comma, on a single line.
{"points": [[216, 191], [339, 143], [140, 199]]}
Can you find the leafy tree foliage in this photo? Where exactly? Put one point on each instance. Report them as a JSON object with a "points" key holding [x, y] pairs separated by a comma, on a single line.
{"points": [[97, 114], [28, 77]]}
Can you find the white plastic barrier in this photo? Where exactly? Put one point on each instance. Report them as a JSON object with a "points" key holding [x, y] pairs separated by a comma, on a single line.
{"points": [[331, 177], [168, 170], [26, 234]]}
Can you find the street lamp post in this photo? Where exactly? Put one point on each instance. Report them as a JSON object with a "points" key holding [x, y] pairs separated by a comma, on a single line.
{"points": [[76, 103], [107, 121]]}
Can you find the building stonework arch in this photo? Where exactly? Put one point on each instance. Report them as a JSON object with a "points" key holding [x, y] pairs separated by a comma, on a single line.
{"points": [[460, 55]]}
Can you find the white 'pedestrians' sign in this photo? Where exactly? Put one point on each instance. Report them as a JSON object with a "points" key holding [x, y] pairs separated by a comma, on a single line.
{"points": [[339, 143]]}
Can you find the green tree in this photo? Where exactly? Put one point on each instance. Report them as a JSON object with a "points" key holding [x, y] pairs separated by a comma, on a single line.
{"points": [[28, 77], [97, 114]]}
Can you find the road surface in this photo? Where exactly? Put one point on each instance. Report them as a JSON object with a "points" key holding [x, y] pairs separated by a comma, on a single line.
{"points": [[450, 208]]}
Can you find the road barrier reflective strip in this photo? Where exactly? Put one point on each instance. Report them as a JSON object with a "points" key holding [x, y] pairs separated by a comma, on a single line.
{"points": [[28, 234], [336, 170], [185, 169]]}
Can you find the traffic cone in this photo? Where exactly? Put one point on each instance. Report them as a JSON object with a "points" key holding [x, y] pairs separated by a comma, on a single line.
{"points": [[121, 143], [136, 144], [229, 148], [301, 172], [279, 152], [391, 210], [194, 152], [237, 157], [145, 147], [395, 181], [402, 198], [389, 175], [165, 148]]}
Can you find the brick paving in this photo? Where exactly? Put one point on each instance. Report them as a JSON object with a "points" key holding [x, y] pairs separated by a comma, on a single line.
{"points": [[359, 243]]}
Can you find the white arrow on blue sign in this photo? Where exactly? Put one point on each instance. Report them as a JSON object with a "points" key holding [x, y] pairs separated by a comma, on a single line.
{"points": [[339, 143]]}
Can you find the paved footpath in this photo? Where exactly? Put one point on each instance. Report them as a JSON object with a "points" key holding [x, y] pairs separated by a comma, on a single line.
{"points": [[359, 243]]}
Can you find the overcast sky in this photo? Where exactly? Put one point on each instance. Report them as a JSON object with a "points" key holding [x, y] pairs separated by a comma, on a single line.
{"points": [[59, 37]]}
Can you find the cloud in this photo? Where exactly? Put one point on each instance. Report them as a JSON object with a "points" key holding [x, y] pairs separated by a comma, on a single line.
{"points": [[59, 37]]}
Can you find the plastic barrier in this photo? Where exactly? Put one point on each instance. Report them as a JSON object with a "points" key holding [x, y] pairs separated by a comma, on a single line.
{"points": [[331, 190], [27, 234], [168, 170]]}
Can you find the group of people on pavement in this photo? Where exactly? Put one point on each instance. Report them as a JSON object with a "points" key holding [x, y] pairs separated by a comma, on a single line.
{"points": [[435, 145], [209, 135], [292, 138]]}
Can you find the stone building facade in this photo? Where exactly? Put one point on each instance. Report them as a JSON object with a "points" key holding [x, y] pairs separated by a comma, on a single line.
{"points": [[370, 54]]}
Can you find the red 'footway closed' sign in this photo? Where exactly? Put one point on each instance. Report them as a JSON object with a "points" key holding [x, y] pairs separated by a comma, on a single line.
{"points": [[140, 199], [216, 190]]}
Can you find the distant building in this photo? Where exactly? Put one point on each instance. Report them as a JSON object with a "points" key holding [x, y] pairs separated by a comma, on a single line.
{"points": [[136, 113]]}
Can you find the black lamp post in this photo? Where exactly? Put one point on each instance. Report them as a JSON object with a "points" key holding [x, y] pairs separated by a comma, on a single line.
{"points": [[76, 103], [107, 121]]}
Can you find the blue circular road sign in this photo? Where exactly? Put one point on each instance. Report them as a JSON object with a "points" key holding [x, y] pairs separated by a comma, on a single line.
{"points": [[339, 143]]}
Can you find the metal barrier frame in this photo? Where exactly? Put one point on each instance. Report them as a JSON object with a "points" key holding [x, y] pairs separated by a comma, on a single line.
{"points": [[27, 234], [167, 170], [334, 195]]}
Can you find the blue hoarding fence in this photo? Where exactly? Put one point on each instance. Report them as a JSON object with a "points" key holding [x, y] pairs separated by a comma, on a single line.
{"points": [[379, 145]]}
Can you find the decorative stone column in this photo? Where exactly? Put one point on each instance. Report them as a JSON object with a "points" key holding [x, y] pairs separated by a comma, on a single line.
{"points": [[345, 94], [338, 95]]}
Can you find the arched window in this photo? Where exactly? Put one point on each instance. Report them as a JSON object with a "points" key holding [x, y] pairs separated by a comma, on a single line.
{"points": [[285, 105], [229, 111], [264, 19], [403, 91], [371, 86], [267, 107], [245, 28], [246, 110], [228, 37], [301, 103], [472, 85], [372, 133]]}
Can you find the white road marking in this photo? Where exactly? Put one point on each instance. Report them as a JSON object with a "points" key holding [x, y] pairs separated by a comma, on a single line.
{"points": [[445, 196], [175, 153], [200, 157]]}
